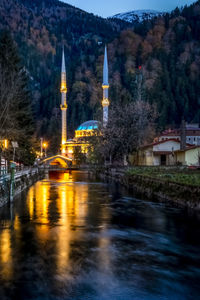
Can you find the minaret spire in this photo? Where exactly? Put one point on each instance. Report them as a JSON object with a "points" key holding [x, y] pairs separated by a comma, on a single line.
{"points": [[63, 61], [63, 106], [105, 86]]}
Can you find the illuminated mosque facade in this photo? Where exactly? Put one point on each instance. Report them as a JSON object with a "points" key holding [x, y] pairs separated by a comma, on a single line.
{"points": [[88, 128]]}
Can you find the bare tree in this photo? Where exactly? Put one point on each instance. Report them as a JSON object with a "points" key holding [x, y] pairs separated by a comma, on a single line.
{"points": [[129, 127]]}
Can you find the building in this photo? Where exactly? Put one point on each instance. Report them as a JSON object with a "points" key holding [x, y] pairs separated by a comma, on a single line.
{"points": [[192, 134], [188, 157], [82, 137], [158, 153], [63, 106], [172, 147], [88, 128]]}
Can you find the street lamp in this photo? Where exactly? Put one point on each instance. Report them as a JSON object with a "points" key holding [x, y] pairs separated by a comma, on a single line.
{"points": [[45, 145], [3, 162], [41, 147]]}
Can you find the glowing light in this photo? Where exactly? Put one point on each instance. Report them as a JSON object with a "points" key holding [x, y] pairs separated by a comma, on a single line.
{"points": [[85, 132], [63, 150], [63, 106], [105, 102], [6, 144], [70, 151], [45, 145]]}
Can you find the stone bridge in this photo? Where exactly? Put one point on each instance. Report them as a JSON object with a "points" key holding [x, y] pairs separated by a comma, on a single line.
{"points": [[57, 163]]}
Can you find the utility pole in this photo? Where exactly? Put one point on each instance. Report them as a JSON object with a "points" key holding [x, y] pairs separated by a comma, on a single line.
{"points": [[41, 147], [12, 180]]}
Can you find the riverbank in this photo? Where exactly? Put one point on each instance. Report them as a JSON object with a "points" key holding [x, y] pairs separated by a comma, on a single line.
{"points": [[178, 185], [22, 180]]}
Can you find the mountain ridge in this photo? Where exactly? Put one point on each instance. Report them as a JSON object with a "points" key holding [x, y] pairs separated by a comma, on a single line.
{"points": [[163, 52], [138, 15]]}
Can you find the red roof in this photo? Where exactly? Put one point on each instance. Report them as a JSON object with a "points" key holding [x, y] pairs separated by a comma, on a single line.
{"points": [[162, 142], [189, 148], [190, 131]]}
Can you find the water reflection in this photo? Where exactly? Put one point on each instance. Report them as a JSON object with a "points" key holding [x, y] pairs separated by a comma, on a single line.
{"points": [[73, 239], [5, 254]]}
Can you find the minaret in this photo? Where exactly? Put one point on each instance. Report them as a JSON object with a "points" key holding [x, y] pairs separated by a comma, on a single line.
{"points": [[63, 105], [105, 86]]}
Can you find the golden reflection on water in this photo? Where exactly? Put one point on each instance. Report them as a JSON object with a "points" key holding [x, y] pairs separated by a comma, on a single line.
{"points": [[68, 201], [30, 200], [57, 212], [5, 253], [104, 243], [72, 208]]}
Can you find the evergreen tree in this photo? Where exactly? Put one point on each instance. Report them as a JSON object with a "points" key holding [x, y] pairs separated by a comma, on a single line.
{"points": [[16, 121]]}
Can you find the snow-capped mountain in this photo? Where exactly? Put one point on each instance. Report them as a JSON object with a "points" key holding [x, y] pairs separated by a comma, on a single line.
{"points": [[138, 15]]}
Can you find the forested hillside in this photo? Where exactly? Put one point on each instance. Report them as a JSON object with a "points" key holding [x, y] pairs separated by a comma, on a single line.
{"points": [[158, 61], [40, 28], [168, 54]]}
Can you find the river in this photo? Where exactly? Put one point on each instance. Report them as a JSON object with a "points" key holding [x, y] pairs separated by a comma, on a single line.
{"points": [[73, 238]]}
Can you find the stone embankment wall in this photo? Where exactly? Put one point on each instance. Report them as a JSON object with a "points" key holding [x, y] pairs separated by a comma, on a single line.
{"points": [[153, 188], [23, 180]]}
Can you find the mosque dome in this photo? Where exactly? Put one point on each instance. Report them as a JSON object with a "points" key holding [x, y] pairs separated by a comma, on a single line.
{"points": [[87, 128], [89, 125]]}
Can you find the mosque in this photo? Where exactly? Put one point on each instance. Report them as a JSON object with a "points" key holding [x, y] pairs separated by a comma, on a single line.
{"points": [[88, 128]]}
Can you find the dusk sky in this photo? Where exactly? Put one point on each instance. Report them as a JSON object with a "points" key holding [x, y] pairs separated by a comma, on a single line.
{"points": [[106, 8]]}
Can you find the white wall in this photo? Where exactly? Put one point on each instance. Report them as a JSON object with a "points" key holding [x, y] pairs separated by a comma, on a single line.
{"points": [[192, 157], [167, 146]]}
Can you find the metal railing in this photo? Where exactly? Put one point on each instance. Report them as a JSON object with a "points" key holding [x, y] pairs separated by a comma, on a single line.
{"points": [[5, 174]]}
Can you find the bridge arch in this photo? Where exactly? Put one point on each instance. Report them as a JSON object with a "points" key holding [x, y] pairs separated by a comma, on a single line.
{"points": [[58, 161]]}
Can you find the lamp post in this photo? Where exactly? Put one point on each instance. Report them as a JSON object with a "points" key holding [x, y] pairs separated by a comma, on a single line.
{"points": [[45, 145], [15, 145], [41, 147], [12, 180]]}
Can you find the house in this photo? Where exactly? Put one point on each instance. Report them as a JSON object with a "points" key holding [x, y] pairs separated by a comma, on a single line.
{"points": [[159, 153], [191, 133], [177, 146], [189, 157]]}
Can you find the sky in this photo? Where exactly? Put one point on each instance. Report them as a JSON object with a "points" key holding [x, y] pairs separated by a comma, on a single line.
{"points": [[106, 8]]}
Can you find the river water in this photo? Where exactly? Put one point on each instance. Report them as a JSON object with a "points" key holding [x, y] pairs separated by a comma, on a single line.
{"points": [[75, 239]]}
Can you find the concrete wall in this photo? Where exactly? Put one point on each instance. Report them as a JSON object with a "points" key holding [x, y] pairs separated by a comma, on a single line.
{"points": [[23, 180], [154, 188], [192, 157], [180, 158], [189, 157]]}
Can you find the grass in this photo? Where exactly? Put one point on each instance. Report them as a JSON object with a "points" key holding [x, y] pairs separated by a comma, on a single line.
{"points": [[177, 175]]}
